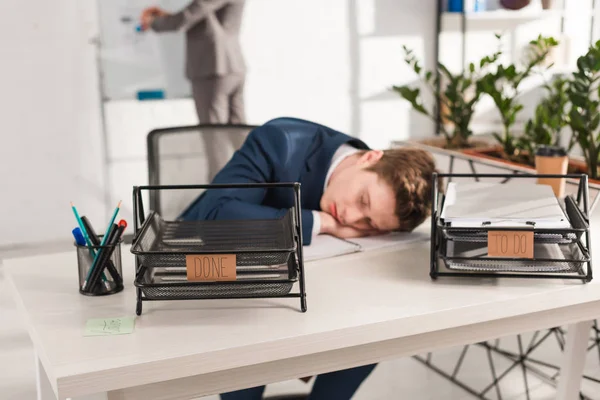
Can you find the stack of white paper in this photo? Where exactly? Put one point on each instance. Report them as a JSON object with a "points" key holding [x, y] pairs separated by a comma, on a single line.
{"points": [[509, 204], [326, 246]]}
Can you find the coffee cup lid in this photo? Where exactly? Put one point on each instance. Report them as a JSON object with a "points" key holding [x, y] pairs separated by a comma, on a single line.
{"points": [[551, 151]]}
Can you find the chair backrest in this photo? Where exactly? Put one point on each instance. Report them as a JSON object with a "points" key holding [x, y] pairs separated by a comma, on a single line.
{"points": [[178, 156]]}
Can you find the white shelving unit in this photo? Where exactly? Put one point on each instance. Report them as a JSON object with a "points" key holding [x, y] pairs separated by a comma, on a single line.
{"points": [[497, 19]]}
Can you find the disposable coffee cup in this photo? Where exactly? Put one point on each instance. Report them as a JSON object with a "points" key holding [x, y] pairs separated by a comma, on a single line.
{"points": [[552, 160]]}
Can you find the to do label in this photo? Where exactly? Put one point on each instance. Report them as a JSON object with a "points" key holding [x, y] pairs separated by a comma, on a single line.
{"points": [[210, 267], [517, 244]]}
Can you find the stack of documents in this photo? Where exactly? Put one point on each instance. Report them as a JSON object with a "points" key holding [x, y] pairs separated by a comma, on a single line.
{"points": [[475, 205], [326, 246]]}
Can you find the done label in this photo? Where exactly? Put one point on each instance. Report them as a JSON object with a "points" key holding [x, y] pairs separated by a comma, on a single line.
{"points": [[210, 267]]}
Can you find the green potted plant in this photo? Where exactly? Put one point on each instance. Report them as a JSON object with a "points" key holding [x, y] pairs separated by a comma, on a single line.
{"points": [[457, 93], [503, 86], [584, 115], [549, 120]]}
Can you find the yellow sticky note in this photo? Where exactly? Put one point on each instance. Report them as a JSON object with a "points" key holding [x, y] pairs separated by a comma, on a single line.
{"points": [[109, 326]]}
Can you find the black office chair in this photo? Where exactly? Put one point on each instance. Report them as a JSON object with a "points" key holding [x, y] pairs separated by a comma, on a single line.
{"points": [[176, 156]]}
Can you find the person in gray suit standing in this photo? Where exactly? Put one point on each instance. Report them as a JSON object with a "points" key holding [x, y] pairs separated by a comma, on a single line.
{"points": [[215, 66]]}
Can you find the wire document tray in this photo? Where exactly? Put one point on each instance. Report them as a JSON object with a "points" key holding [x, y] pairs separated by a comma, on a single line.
{"points": [[477, 236], [163, 243], [268, 253], [549, 257], [562, 253], [167, 283]]}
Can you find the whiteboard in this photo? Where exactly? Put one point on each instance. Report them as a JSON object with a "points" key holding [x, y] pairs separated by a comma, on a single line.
{"points": [[132, 61]]}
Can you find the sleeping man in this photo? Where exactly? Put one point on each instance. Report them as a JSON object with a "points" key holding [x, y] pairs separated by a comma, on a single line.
{"points": [[348, 190]]}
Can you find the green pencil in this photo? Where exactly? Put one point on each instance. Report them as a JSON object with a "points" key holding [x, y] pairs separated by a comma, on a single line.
{"points": [[85, 234]]}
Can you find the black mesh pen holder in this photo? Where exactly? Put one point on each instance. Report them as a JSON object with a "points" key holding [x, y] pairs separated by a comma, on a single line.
{"points": [[558, 253], [268, 252], [102, 277]]}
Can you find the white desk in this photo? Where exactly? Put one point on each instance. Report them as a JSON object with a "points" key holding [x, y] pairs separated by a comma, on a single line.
{"points": [[362, 308]]}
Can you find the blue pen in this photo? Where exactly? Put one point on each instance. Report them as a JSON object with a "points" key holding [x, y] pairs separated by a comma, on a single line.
{"points": [[79, 239]]}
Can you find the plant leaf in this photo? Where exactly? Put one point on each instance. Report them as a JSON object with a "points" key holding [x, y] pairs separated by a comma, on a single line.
{"points": [[412, 96]]}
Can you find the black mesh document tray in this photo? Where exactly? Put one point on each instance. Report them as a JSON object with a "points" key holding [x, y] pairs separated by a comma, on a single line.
{"points": [[561, 253], [255, 242], [548, 258], [268, 252], [164, 283]]}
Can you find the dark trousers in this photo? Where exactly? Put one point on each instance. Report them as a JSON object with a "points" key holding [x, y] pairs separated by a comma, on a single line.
{"points": [[337, 385]]}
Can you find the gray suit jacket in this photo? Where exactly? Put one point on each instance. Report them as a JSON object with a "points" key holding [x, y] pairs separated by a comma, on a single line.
{"points": [[212, 29]]}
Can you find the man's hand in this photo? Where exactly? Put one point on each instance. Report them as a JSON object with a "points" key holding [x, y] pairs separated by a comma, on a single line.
{"points": [[332, 227], [148, 15]]}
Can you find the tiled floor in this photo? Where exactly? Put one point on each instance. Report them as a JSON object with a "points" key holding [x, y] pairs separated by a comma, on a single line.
{"points": [[399, 379]]}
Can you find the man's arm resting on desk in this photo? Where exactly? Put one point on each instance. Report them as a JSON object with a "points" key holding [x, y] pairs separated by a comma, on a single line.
{"points": [[195, 12], [230, 208], [326, 223], [313, 222]]}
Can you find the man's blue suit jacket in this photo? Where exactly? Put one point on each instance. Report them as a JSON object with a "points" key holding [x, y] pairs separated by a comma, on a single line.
{"points": [[282, 150]]}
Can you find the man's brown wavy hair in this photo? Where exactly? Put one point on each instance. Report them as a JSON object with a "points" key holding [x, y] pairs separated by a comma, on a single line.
{"points": [[409, 172]]}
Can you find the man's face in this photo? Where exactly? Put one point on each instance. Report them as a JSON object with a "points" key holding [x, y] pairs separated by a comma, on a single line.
{"points": [[359, 198]]}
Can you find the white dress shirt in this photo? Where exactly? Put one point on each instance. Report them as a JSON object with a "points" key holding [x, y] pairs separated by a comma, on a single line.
{"points": [[341, 153]]}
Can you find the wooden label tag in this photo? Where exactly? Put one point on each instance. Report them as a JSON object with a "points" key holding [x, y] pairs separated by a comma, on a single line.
{"points": [[517, 244], [210, 267]]}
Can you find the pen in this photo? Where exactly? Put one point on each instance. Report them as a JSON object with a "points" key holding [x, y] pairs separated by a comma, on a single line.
{"points": [[79, 239], [87, 239], [98, 266], [102, 243], [114, 237], [96, 241]]}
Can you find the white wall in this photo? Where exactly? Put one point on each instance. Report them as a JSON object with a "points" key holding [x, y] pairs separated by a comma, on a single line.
{"points": [[334, 61], [51, 150]]}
